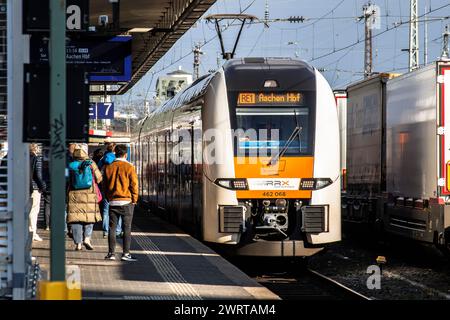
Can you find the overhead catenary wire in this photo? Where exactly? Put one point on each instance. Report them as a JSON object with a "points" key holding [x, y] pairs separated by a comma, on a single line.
{"points": [[205, 43], [313, 22], [182, 57], [397, 25]]}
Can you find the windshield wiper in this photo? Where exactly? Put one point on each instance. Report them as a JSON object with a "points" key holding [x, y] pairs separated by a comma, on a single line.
{"points": [[277, 157]]}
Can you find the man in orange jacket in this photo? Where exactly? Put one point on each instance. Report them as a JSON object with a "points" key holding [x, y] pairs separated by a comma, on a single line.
{"points": [[121, 190]]}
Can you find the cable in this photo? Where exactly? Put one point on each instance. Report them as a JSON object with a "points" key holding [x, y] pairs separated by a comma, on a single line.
{"points": [[376, 35], [208, 41], [256, 43]]}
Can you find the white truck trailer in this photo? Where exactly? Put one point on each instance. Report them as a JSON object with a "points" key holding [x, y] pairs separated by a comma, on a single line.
{"points": [[418, 154], [398, 155]]}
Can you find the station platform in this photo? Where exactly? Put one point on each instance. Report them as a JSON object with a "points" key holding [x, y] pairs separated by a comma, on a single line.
{"points": [[171, 265]]}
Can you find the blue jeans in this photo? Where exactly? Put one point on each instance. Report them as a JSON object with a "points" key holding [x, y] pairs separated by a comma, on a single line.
{"points": [[66, 225], [106, 219], [79, 228]]}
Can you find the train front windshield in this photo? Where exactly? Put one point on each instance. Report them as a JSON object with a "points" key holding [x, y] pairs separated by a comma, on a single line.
{"points": [[273, 130]]}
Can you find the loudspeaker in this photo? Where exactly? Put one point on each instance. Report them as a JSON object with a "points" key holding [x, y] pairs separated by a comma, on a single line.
{"points": [[36, 126]]}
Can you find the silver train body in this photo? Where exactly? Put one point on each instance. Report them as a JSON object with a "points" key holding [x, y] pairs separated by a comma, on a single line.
{"points": [[398, 154], [276, 193]]}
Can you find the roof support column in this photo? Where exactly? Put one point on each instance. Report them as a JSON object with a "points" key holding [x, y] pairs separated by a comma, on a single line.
{"points": [[58, 137]]}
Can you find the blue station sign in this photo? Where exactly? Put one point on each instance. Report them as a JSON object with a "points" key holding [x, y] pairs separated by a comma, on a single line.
{"points": [[101, 111], [106, 59]]}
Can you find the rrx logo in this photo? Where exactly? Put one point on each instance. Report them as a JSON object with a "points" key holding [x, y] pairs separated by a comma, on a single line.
{"points": [[274, 183]]}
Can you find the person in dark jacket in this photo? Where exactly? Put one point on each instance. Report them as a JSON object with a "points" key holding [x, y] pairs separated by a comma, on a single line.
{"points": [[97, 156], [46, 194], [37, 187], [108, 158]]}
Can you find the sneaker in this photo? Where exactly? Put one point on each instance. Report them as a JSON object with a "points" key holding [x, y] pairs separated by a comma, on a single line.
{"points": [[47, 229], [128, 257], [88, 245], [119, 235], [105, 235], [78, 247], [110, 256], [37, 238]]}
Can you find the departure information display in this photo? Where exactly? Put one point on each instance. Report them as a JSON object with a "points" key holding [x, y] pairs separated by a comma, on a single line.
{"points": [[269, 99]]}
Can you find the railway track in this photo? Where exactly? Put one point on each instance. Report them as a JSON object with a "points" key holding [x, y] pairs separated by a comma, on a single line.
{"points": [[307, 285], [293, 280]]}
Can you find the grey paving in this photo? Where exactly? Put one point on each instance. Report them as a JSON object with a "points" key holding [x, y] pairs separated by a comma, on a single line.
{"points": [[171, 266]]}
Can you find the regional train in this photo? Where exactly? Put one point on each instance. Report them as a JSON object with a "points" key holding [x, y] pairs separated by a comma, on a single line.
{"points": [[248, 158]]}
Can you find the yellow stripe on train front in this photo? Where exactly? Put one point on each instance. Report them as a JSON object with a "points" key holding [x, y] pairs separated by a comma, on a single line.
{"points": [[274, 181]]}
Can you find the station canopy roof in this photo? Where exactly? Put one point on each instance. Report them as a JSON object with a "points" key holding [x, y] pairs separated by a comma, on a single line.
{"points": [[155, 26]]}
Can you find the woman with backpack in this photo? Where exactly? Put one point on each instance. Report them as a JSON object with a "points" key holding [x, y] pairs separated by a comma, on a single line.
{"points": [[83, 198]]}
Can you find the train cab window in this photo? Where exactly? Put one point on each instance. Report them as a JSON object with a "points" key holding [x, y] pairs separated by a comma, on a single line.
{"points": [[273, 129]]}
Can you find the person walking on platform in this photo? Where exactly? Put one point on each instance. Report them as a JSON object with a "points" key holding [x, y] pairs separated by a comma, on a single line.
{"points": [[37, 187], [97, 156], [69, 158], [46, 194], [121, 189], [82, 198], [106, 160]]}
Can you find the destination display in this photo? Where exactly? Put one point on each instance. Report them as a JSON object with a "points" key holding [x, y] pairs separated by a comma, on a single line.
{"points": [[266, 99], [107, 59]]}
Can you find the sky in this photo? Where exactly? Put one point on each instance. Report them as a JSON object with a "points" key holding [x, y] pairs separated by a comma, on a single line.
{"points": [[331, 38]]}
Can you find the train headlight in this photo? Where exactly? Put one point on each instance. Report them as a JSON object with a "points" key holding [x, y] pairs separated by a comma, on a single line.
{"points": [[315, 184], [307, 184], [322, 183], [281, 203], [232, 184], [271, 84]]}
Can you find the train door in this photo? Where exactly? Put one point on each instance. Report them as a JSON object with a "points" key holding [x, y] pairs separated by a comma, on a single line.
{"points": [[140, 168], [184, 153], [197, 174], [162, 170], [341, 103], [153, 161], [172, 179], [146, 155]]}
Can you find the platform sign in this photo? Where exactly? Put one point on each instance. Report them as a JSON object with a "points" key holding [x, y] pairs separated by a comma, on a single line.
{"points": [[101, 111], [36, 16], [107, 59], [37, 101]]}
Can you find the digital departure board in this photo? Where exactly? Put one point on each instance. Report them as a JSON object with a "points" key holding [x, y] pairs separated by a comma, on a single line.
{"points": [[271, 99]]}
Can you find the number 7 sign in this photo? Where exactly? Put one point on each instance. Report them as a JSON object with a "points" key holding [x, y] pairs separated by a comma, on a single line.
{"points": [[102, 110]]}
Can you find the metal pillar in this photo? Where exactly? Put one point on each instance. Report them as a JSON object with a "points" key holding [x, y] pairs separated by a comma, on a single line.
{"points": [[197, 53], [425, 40], [445, 52], [368, 50], [266, 15], [58, 136], [18, 156], [414, 37]]}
